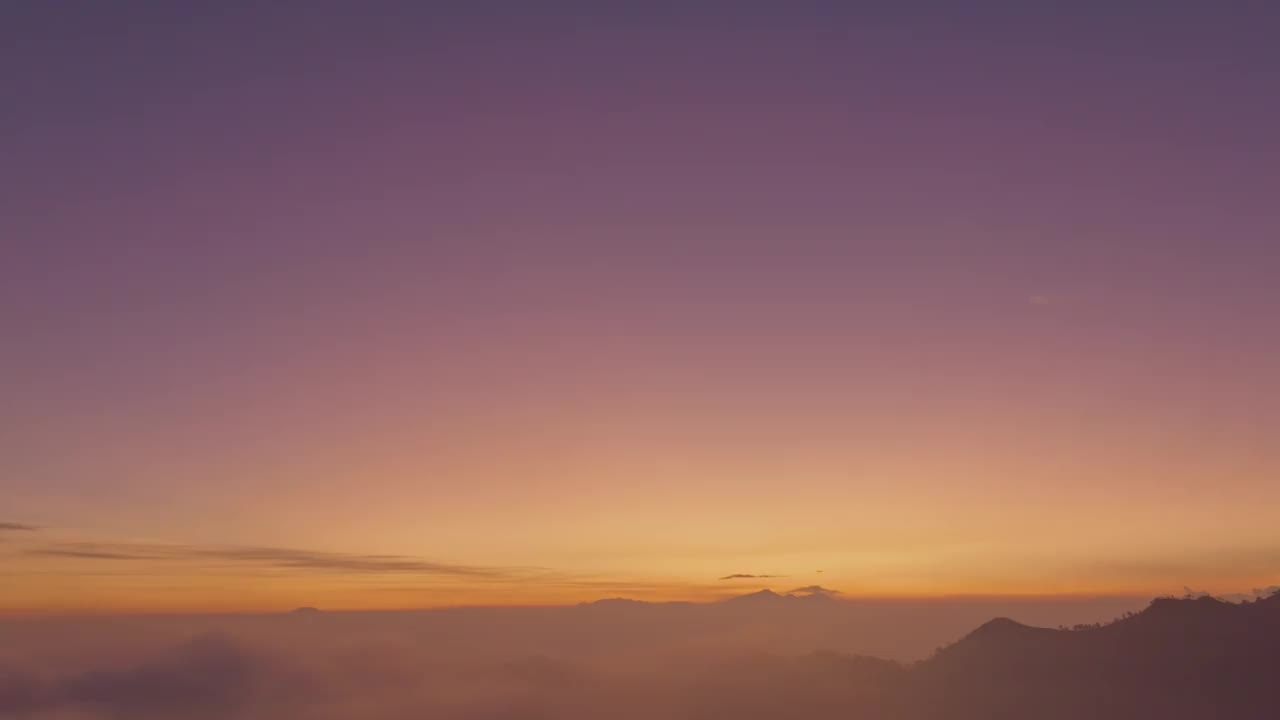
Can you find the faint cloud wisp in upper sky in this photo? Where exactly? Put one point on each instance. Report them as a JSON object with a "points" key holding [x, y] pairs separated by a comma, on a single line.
{"points": [[266, 556], [17, 527]]}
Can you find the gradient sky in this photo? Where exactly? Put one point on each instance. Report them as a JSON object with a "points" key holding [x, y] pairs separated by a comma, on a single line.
{"points": [[379, 304]]}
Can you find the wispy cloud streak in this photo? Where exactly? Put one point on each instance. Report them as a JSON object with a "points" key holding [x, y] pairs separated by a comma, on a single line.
{"points": [[286, 558], [17, 527]]}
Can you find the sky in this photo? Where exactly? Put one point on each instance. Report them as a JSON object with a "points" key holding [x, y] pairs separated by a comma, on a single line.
{"points": [[405, 305]]}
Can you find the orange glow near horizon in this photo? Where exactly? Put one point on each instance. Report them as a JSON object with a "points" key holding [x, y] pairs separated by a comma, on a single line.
{"points": [[374, 311]]}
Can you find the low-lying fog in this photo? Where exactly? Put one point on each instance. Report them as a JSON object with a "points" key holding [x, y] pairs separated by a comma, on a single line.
{"points": [[756, 656]]}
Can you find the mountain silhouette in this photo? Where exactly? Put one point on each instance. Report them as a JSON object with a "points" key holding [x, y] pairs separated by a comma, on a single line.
{"points": [[1178, 658], [762, 597], [754, 657], [769, 598]]}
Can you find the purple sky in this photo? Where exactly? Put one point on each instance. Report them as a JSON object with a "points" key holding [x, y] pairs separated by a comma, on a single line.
{"points": [[272, 275]]}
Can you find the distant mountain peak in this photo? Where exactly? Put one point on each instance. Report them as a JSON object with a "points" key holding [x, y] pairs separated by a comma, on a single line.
{"points": [[616, 602], [761, 596], [767, 596], [999, 627], [812, 592]]}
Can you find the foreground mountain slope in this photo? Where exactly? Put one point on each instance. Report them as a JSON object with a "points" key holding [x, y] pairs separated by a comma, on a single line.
{"points": [[1188, 658]]}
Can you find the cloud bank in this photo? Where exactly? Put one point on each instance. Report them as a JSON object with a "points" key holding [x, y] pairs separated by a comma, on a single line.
{"points": [[277, 672]]}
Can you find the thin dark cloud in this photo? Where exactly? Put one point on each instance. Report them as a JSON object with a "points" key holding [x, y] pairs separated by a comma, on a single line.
{"points": [[160, 559], [325, 561], [17, 527], [271, 557], [747, 576], [89, 554]]}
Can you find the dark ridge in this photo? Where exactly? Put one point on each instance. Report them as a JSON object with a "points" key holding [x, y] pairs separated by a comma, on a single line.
{"points": [[999, 627], [614, 602], [771, 597], [1179, 658], [757, 597], [1168, 614]]}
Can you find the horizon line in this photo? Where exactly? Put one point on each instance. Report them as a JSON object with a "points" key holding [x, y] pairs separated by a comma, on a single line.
{"points": [[10, 613]]}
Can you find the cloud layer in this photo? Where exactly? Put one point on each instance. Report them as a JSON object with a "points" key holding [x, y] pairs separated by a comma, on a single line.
{"points": [[320, 668], [618, 659], [288, 558]]}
